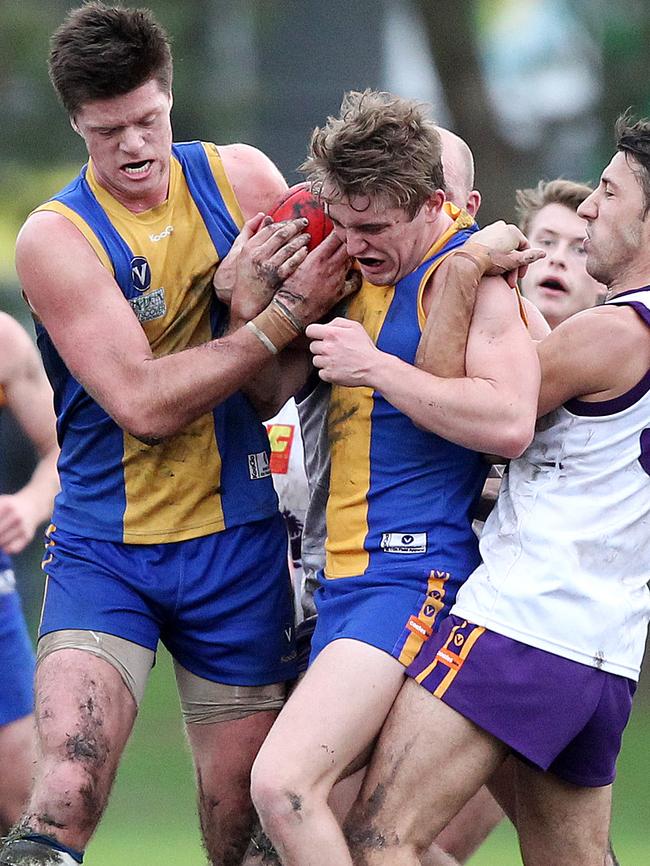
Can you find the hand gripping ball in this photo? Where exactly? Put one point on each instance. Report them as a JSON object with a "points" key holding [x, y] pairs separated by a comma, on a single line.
{"points": [[298, 201]]}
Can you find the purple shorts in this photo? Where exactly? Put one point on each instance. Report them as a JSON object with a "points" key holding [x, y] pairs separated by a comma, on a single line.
{"points": [[555, 713]]}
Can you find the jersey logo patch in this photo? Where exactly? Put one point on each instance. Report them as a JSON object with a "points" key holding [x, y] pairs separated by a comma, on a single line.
{"points": [[404, 542], [140, 274], [258, 465], [281, 439], [151, 306]]}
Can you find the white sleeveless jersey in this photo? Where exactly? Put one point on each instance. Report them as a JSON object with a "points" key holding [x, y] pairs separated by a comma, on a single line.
{"points": [[290, 482], [566, 551]]}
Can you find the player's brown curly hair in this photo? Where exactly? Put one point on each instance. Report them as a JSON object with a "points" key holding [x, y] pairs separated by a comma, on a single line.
{"points": [[104, 51], [380, 146], [559, 191]]}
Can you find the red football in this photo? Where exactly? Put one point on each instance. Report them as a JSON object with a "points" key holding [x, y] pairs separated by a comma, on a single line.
{"points": [[298, 201]]}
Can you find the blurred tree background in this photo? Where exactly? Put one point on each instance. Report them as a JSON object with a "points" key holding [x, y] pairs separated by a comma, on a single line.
{"points": [[534, 86]]}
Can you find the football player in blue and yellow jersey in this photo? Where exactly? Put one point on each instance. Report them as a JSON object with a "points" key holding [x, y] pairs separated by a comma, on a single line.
{"points": [[167, 525], [25, 392], [404, 480], [530, 664]]}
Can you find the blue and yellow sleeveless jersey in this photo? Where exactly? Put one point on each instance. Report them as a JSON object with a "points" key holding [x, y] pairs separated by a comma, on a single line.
{"points": [[399, 496], [213, 474]]}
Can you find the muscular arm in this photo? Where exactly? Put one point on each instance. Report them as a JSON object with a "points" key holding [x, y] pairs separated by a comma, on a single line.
{"points": [[490, 409], [497, 249], [29, 399], [452, 296], [106, 349], [595, 355]]}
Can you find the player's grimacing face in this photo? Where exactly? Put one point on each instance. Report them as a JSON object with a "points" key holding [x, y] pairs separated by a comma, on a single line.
{"points": [[129, 140], [559, 284], [618, 229], [386, 242]]}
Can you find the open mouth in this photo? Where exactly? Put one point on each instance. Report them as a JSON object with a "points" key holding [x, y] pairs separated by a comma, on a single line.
{"points": [[370, 263], [553, 284], [136, 168]]}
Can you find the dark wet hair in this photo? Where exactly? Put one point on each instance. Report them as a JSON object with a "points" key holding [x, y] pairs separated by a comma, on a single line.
{"points": [[104, 51], [633, 139]]}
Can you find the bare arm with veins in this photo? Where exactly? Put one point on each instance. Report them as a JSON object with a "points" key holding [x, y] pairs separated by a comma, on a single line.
{"points": [[491, 408]]}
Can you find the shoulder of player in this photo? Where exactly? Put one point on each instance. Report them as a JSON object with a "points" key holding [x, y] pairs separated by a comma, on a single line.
{"points": [[608, 326], [599, 349], [48, 236], [46, 230], [55, 261], [256, 180]]}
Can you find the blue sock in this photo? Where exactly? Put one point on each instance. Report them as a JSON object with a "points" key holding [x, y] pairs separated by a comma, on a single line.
{"points": [[78, 856]]}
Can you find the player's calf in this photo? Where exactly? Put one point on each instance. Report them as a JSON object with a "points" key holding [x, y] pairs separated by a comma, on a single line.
{"points": [[84, 714]]}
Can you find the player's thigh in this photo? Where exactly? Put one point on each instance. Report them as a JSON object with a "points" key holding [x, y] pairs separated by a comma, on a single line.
{"points": [[556, 818], [94, 585], [428, 747], [334, 714], [226, 724], [224, 753]]}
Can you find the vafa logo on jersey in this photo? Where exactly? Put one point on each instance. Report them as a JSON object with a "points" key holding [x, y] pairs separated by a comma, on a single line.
{"points": [[404, 542], [149, 306], [140, 274]]}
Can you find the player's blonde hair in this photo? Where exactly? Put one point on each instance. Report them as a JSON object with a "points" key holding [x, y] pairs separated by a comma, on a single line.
{"points": [[559, 191], [381, 146]]}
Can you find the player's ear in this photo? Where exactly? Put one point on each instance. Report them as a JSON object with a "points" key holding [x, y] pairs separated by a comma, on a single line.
{"points": [[473, 202], [73, 124], [433, 205]]}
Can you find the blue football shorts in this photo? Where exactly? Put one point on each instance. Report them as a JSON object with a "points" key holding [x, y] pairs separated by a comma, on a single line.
{"points": [[16, 655], [394, 610], [222, 604]]}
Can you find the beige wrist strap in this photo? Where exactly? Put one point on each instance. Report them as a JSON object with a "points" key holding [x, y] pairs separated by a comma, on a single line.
{"points": [[261, 336], [276, 326], [477, 253]]}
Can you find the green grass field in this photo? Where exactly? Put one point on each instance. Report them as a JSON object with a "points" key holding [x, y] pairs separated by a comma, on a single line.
{"points": [[151, 820]]}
